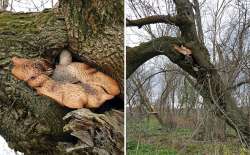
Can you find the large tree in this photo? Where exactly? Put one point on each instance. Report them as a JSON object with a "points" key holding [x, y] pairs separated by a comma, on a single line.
{"points": [[93, 31], [203, 74]]}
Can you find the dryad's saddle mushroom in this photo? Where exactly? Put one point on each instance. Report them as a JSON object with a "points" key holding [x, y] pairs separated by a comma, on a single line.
{"points": [[73, 84]]}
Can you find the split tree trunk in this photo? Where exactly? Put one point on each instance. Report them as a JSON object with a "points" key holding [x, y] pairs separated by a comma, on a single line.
{"points": [[93, 31], [206, 76]]}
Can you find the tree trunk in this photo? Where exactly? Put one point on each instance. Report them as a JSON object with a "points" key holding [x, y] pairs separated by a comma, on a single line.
{"points": [[33, 124], [4, 4], [146, 102], [209, 82], [95, 31]]}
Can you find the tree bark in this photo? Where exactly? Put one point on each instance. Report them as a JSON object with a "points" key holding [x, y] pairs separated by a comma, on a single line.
{"points": [[208, 80], [33, 124], [95, 31], [4, 4]]}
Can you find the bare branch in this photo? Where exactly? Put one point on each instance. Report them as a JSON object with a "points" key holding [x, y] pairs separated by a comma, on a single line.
{"points": [[167, 19], [136, 56], [247, 81]]}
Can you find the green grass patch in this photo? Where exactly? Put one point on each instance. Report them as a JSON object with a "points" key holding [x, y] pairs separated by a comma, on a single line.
{"points": [[135, 148], [147, 137], [182, 132]]}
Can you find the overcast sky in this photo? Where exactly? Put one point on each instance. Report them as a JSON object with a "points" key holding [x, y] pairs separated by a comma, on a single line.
{"points": [[135, 36], [31, 5]]}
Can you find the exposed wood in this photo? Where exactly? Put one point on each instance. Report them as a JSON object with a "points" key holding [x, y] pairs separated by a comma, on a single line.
{"points": [[96, 132]]}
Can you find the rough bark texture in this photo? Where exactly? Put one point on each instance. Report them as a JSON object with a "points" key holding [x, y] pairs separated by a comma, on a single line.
{"points": [[33, 124], [209, 81], [96, 32], [97, 133]]}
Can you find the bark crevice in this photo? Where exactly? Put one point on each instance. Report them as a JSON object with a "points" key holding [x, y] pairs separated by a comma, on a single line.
{"points": [[34, 124]]}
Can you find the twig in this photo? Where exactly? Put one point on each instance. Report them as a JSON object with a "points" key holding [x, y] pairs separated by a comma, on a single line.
{"points": [[242, 140]]}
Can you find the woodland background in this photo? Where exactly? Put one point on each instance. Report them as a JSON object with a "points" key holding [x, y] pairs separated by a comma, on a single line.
{"points": [[176, 105]]}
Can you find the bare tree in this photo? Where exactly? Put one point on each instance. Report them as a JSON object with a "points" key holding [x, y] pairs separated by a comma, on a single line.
{"points": [[207, 77], [4, 4]]}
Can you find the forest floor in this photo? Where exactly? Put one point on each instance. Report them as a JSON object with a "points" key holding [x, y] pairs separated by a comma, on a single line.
{"points": [[147, 137]]}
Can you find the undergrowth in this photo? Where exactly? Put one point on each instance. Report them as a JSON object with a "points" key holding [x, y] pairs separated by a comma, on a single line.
{"points": [[148, 137]]}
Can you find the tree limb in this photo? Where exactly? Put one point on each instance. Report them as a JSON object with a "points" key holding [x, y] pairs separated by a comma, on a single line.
{"points": [[198, 20], [167, 19], [205, 69], [136, 56], [247, 81]]}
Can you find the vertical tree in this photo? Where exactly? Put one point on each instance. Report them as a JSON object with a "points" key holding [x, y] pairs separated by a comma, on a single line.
{"points": [[4, 4]]}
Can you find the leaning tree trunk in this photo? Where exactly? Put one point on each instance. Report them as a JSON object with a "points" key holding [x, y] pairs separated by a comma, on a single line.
{"points": [[208, 81], [93, 32]]}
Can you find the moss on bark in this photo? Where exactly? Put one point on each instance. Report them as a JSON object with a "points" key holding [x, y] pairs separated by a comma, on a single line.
{"points": [[31, 123]]}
